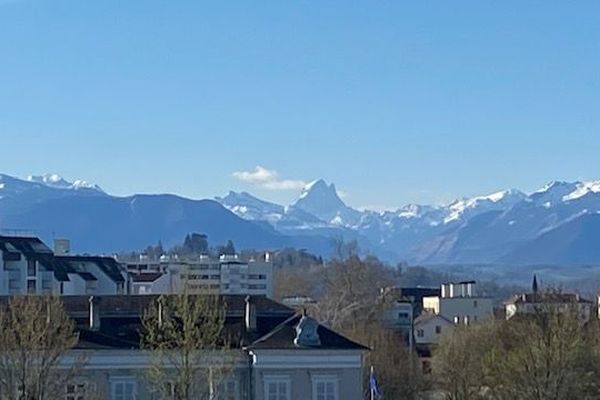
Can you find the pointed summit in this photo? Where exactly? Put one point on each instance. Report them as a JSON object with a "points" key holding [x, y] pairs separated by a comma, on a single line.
{"points": [[323, 201]]}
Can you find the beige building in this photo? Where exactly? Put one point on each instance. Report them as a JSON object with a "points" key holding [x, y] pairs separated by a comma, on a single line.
{"points": [[225, 275]]}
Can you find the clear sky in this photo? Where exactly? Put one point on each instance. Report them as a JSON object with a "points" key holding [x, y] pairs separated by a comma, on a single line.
{"points": [[394, 101]]}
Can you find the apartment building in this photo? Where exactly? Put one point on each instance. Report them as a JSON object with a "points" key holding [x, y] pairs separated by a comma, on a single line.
{"points": [[28, 266], [225, 275]]}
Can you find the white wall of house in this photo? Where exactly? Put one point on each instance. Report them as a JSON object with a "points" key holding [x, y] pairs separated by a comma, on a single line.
{"points": [[584, 309], [430, 331], [464, 310], [301, 371]]}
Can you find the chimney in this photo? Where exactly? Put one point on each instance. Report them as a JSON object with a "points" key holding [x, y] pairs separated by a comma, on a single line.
{"points": [[463, 289], [94, 313], [250, 315], [62, 247], [444, 290], [267, 257], [470, 289], [451, 288]]}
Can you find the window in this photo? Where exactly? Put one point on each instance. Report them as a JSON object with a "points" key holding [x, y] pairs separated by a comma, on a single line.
{"points": [[277, 389], [31, 286], [325, 388], [79, 391], [31, 270], [420, 333], [438, 329], [474, 303], [123, 389]]}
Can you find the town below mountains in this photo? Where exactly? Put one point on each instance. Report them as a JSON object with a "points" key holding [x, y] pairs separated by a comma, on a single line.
{"points": [[555, 225]]}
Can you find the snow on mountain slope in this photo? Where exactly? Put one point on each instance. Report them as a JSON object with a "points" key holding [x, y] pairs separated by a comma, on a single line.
{"points": [[249, 207], [58, 182], [477, 205], [583, 188]]}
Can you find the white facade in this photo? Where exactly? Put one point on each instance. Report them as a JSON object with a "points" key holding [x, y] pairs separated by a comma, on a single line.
{"points": [[460, 304], [227, 275], [564, 302], [28, 266], [429, 329]]}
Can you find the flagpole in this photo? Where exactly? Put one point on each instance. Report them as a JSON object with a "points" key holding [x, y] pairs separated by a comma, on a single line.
{"points": [[371, 386]]}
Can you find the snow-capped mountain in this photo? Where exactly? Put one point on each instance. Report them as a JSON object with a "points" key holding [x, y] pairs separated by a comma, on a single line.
{"points": [[559, 223], [58, 182], [323, 201], [252, 208], [478, 229]]}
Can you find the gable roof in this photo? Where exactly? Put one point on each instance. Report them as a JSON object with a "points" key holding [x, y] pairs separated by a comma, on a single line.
{"points": [[283, 335], [426, 317]]}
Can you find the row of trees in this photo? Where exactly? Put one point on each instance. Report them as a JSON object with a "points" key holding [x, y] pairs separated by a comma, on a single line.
{"points": [[551, 354], [193, 245], [183, 333]]}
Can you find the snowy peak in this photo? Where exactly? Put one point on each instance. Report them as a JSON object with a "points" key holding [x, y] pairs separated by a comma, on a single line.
{"points": [[322, 200], [58, 182], [249, 207], [476, 205], [582, 189]]}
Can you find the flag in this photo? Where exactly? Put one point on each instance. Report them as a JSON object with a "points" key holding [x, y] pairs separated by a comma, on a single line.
{"points": [[374, 386]]}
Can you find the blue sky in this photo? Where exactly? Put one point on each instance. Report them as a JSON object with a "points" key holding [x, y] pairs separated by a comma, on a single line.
{"points": [[394, 101]]}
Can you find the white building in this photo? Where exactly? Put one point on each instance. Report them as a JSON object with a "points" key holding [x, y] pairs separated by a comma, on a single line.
{"points": [[459, 303], [272, 352], [429, 328], [529, 303], [226, 275], [28, 266]]}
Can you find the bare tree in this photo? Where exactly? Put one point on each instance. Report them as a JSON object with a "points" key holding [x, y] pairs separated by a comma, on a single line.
{"points": [[35, 335], [458, 362], [190, 358], [398, 372], [550, 354]]}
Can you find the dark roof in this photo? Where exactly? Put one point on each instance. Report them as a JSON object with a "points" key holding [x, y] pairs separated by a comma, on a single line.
{"points": [[34, 249], [282, 337], [146, 276], [87, 276], [107, 265], [550, 298]]}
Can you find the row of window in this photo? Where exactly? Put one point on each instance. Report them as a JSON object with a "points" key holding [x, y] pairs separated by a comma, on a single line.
{"points": [[323, 388], [275, 388]]}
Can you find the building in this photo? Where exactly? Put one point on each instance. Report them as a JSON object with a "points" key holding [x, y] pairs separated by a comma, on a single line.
{"points": [[31, 267], [536, 301], [280, 354], [529, 303], [226, 275], [459, 303], [429, 328]]}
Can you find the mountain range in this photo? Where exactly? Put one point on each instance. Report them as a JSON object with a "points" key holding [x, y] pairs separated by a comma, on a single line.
{"points": [[557, 224]]}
